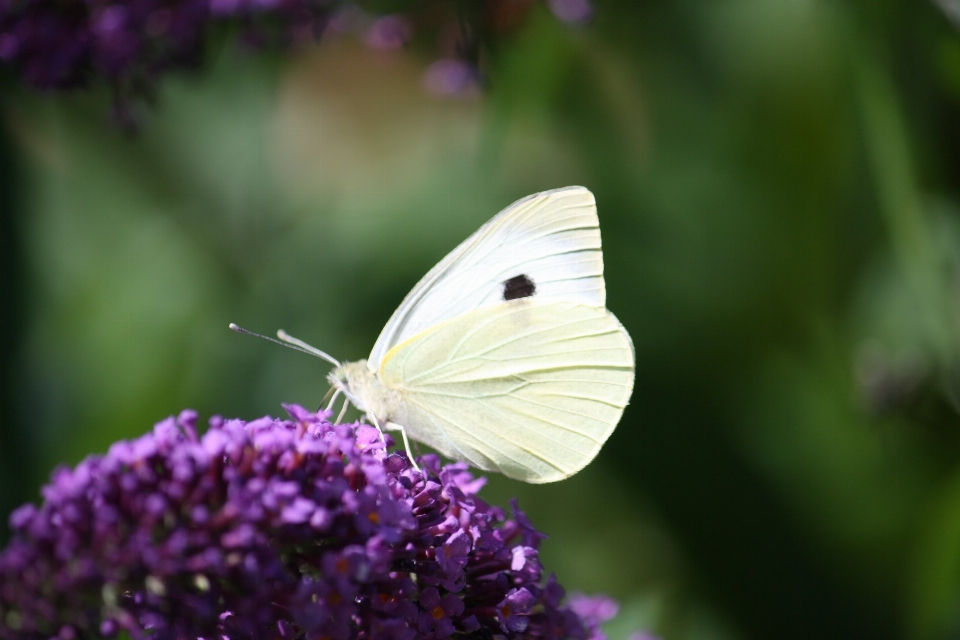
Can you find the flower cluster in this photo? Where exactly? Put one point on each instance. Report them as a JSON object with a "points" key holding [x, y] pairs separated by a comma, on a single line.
{"points": [[276, 529], [62, 44]]}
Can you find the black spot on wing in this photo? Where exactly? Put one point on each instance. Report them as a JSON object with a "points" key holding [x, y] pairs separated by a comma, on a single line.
{"points": [[520, 286]]}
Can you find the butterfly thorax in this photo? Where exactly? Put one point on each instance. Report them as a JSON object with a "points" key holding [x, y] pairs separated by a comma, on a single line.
{"points": [[365, 390]]}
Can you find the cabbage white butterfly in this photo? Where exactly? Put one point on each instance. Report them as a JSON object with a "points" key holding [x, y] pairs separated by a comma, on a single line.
{"points": [[503, 355]]}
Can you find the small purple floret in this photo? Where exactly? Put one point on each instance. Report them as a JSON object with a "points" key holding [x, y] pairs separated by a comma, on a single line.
{"points": [[289, 529], [596, 609]]}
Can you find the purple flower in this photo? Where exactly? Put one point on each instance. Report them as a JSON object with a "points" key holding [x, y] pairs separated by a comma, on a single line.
{"points": [[275, 528], [595, 610], [389, 33], [60, 44], [452, 556], [571, 10], [451, 77], [436, 613], [513, 613], [130, 44]]}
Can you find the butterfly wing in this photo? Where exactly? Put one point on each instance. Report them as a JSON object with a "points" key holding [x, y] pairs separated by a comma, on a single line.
{"points": [[529, 388], [547, 245]]}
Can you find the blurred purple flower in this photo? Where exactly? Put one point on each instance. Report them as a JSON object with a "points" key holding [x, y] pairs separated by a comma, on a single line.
{"points": [[58, 45], [571, 10], [596, 609], [389, 33], [275, 528], [130, 44], [450, 77]]}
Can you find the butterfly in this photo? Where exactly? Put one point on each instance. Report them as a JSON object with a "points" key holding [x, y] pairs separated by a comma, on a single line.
{"points": [[504, 355]]}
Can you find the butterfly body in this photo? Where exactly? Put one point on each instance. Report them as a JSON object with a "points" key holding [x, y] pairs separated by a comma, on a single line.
{"points": [[504, 355], [363, 388]]}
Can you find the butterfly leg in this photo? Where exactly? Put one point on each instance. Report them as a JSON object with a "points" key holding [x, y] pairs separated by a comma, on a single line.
{"points": [[372, 418], [332, 400], [393, 426], [346, 404]]}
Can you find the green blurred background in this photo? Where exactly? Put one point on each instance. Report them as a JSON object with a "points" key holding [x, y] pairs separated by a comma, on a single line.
{"points": [[778, 184]]}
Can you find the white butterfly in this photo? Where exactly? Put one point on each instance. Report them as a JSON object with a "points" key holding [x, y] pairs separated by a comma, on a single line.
{"points": [[504, 355]]}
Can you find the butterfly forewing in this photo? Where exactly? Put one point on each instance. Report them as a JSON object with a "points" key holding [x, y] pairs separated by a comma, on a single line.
{"points": [[530, 388], [545, 247]]}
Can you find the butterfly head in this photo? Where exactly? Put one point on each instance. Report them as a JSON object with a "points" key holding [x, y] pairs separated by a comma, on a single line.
{"points": [[352, 379]]}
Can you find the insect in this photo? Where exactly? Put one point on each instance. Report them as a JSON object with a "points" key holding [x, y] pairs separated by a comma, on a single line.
{"points": [[504, 355]]}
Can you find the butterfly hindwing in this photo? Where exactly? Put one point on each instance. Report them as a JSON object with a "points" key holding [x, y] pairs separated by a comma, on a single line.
{"points": [[545, 247], [530, 388]]}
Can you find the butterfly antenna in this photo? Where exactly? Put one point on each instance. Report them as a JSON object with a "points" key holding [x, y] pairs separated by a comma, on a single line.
{"points": [[289, 339], [288, 342]]}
